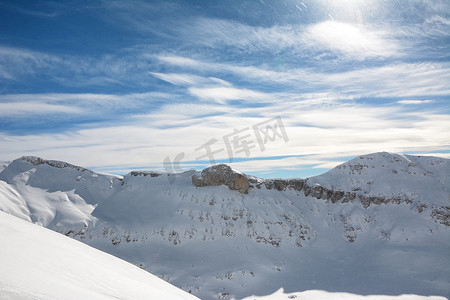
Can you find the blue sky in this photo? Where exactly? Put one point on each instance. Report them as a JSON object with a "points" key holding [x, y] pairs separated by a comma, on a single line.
{"points": [[121, 85]]}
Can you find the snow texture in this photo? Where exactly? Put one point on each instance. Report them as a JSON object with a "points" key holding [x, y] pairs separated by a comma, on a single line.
{"points": [[322, 295], [36, 263], [3, 165]]}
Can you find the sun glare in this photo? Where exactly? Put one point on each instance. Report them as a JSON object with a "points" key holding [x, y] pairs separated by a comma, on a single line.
{"points": [[351, 38]]}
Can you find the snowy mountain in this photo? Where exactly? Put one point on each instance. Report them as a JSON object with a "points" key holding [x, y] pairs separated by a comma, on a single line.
{"points": [[37, 263], [378, 224]]}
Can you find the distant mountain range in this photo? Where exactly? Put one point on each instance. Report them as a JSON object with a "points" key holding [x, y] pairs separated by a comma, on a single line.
{"points": [[377, 224]]}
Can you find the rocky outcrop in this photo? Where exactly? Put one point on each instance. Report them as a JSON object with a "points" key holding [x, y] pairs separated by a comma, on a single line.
{"points": [[441, 214], [54, 163], [336, 196], [145, 173], [278, 184], [366, 201], [316, 191], [222, 175]]}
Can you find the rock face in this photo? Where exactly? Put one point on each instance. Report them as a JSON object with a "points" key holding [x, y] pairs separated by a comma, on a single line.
{"points": [[349, 182], [278, 184], [441, 215], [222, 175], [145, 173], [54, 163]]}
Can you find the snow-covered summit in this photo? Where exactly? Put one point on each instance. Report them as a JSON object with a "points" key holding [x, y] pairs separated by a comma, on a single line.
{"points": [[53, 175], [391, 176], [384, 165], [51, 193]]}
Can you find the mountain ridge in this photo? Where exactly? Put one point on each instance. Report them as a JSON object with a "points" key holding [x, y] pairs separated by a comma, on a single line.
{"points": [[320, 225]]}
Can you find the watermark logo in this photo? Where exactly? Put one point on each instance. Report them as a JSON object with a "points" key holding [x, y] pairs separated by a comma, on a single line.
{"points": [[239, 142], [173, 166]]}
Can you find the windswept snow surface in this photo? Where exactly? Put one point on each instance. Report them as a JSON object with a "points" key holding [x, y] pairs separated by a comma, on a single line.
{"points": [[36, 263], [378, 224]]}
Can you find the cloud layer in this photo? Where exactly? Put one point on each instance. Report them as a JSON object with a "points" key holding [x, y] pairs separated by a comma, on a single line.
{"points": [[345, 78]]}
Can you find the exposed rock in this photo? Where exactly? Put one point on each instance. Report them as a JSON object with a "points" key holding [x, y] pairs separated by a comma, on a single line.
{"points": [[198, 181], [296, 184], [238, 182], [366, 201], [421, 207], [254, 180], [268, 183], [222, 175], [306, 190], [317, 191], [350, 234], [348, 197], [327, 193], [145, 173], [441, 214], [336, 196], [54, 163], [278, 184]]}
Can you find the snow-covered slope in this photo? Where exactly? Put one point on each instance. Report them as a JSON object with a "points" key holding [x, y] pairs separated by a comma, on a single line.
{"points": [[3, 165], [323, 295], [36, 263], [378, 224]]}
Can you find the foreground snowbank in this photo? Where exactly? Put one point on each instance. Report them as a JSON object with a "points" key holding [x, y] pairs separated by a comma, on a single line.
{"points": [[322, 295], [36, 263]]}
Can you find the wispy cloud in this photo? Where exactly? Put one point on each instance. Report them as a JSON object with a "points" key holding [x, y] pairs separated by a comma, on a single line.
{"points": [[36, 108], [391, 80], [212, 88], [41, 14], [93, 106], [397, 80], [222, 94], [129, 68], [41, 10], [316, 132], [16, 62], [348, 40], [189, 79], [5, 74], [414, 101]]}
